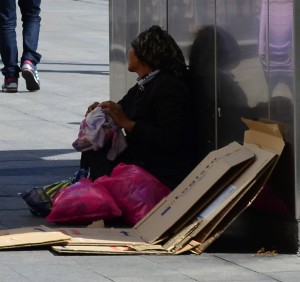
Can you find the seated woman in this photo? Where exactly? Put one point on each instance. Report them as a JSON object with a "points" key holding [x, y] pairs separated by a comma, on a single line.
{"points": [[154, 113]]}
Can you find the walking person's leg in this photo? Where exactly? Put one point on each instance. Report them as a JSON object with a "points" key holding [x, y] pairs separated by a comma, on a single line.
{"points": [[30, 10], [8, 45]]}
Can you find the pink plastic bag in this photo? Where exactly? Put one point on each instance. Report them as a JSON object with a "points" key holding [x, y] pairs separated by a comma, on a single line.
{"points": [[83, 203], [135, 191]]}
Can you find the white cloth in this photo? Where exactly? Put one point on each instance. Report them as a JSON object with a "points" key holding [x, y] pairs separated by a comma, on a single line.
{"points": [[96, 130]]}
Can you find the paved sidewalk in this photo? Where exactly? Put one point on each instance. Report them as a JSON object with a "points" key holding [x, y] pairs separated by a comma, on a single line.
{"points": [[36, 133]]}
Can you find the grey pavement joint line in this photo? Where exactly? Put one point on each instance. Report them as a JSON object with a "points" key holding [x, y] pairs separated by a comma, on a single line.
{"points": [[241, 266]]}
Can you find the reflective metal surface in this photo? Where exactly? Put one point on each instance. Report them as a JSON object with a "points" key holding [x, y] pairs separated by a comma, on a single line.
{"points": [[127, 19], [296, 150], [240, 54]]}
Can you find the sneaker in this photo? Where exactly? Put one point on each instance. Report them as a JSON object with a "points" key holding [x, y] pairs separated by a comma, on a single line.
{"points": [[10, 85], [30, 74]]}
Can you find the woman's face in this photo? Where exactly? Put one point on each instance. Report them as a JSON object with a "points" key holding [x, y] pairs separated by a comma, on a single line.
{"points": [[133, 61]]}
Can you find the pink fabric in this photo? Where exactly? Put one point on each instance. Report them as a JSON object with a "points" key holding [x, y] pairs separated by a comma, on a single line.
{"points": [[96, 130]]}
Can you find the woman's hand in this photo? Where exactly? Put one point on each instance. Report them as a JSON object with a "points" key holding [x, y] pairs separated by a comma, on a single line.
{"points": [[91, 107], [116, 112]]}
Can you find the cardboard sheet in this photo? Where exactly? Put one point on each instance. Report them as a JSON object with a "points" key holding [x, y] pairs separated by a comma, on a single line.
{"points": [[31, 236], [227, 198], [220, 166], [102, 236], [108, 250]]}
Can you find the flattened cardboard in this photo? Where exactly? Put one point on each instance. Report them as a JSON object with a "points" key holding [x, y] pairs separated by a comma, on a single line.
{"points": [[227, 198], [262, 139], [106, 240], [217, 165], [31, 236], [102, 236], [228, 215], [109, 250]]}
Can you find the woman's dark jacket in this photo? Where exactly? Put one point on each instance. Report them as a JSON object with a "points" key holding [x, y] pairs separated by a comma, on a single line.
{"points": [[161, 140]]}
